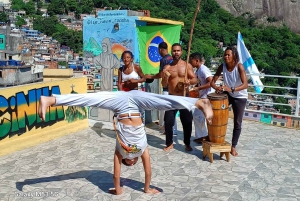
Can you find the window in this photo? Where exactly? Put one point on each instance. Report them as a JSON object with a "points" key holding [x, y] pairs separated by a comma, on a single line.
{"points": [[283, 117], [274, 123], [246, 114], [0, 73], [281, 124], [265, 116], [254, 115], [275, 116], [1, 40]]}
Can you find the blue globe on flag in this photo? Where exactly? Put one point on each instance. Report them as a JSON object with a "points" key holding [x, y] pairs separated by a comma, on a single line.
{"points": [[153, 53]]}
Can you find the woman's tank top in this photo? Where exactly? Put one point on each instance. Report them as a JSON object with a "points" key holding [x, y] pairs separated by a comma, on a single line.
{"points": [[233, 79], [132, 75]]}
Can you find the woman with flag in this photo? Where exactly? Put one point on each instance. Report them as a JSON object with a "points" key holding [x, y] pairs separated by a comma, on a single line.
{"points": [[235, 84]]}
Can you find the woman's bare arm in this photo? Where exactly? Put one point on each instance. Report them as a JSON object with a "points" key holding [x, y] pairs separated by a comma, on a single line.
{"points": [[120, 80], [140, 73], [215, 78], [147, 168], [117, 173]]}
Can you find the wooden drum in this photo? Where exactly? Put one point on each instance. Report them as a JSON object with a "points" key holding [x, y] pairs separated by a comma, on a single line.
{"points": [[217, 129]]}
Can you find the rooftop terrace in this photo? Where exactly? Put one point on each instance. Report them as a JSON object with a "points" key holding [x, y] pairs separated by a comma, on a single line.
{"points": [[79, 166]]}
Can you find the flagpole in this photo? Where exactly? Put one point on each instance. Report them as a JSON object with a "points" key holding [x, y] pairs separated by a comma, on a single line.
{"points": [[190, 43]]}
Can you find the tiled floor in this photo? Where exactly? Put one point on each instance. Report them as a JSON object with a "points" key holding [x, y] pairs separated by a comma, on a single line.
{"points": [[80, 166]]}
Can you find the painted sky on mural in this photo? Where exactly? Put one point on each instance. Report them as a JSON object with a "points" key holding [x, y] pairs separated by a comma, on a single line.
{"points": [[95, 30]]}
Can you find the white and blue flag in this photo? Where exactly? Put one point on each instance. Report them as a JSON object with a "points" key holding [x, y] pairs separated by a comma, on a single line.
{"points": [[248, 62]]}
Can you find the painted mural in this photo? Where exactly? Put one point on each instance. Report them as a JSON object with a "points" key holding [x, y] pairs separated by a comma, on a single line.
{"points": [[19, 109], [74, 113], [105, 39], [19, 112]]}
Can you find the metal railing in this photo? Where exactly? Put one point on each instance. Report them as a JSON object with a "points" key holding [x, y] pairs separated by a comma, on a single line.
{"points": [[270, 103]]}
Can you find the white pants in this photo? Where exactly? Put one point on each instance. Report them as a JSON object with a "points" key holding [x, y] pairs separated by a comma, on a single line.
{"points": [[121, 102], [200, 124], [162, 115]]}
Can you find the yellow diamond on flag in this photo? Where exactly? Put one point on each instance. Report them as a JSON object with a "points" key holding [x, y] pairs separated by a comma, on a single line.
{"points": [[152, 53]]}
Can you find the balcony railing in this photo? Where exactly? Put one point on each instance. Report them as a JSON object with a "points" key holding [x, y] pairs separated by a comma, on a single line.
{"points": [[268, 105]]}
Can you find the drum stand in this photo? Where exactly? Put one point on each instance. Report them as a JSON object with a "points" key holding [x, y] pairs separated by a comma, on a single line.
{"points": [[210, 148]]}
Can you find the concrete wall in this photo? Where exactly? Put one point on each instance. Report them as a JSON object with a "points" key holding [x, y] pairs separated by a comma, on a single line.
{"points": [[252, 116], [57, 74], [15, 76], [21, 126], [276, 120]]}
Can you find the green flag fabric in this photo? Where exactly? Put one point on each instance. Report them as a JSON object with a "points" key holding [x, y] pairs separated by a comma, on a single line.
{"points": [[149, 38]]}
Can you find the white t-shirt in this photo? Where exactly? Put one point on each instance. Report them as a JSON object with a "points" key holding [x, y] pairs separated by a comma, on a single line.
{"points": [[202, 74]]}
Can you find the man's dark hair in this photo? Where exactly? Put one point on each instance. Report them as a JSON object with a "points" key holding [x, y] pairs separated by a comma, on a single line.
{"points": [[176, 44], [163, 45], [197, 55]]}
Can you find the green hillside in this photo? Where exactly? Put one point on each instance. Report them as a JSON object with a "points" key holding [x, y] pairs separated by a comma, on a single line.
{"points": [[274, 49]]}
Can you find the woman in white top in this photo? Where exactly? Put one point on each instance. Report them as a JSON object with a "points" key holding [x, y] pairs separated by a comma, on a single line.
{"points": [[235, 85], [131, 137], [130, 74]]}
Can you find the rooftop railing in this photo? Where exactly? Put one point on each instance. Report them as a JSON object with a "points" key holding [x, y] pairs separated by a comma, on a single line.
{"points": [[266, 102]]}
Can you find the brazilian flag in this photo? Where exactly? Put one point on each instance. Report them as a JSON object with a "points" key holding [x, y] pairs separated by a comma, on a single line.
{"points": [[149, 38]]}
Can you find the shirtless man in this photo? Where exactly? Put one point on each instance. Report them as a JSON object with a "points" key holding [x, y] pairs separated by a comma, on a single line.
{"points": [[174, 78]]}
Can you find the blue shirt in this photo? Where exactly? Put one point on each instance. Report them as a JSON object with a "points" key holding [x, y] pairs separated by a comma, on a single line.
{"points": [[167, 59]]}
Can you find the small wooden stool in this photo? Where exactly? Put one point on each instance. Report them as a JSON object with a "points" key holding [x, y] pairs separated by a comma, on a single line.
{"points": [[209, 148]]}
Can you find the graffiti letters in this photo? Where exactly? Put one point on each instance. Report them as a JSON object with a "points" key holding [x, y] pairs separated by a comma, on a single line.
{"points": [[105, 21], [19, 113]]}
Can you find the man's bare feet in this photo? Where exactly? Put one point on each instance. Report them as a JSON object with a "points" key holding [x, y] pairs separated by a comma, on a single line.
{"points": [[188, 148], [152, 191], [205, 106], [169, 147], [233, 152], [45, 102], [114, 192]]}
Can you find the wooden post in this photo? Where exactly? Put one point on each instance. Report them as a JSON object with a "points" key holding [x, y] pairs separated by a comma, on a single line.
{"points": [[190, 42]]}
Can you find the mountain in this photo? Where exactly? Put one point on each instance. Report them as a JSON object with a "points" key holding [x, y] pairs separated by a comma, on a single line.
{"points": [[286, 11]]}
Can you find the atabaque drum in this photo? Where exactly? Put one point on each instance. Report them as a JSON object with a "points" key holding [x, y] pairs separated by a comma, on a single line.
{"points": [[217, 128], [193, 94]]}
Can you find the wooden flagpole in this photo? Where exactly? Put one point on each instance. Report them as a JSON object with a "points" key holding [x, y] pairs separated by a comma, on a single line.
{"points": [[190, 42]]}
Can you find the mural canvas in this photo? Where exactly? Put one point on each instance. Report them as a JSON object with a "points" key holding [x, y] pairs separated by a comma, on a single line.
{"points": [[105, 39]]}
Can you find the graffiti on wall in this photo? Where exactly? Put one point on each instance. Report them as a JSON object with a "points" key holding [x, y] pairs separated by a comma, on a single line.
{"points": [[20, 112], [74, 113]]}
